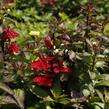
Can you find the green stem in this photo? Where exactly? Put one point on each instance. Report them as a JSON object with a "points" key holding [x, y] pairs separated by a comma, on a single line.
{"points": [[93, 62]]}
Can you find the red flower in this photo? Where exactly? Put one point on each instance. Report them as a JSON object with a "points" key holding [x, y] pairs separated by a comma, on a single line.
{"points": [[65, 70], [48, 42], [52, 2], [8, 1], [44, 1], [9, 33], [62, 69], [40, 65], [43, 81], [56, 70], [12, 47]]}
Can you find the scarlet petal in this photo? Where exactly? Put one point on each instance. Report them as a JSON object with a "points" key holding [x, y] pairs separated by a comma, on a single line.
{"points": [[40, 65], [44, 1], [43, 81], [9, 33], [12, 47], [56, 70], [65, 70]]}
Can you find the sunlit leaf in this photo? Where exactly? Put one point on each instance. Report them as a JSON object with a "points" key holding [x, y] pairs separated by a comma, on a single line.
{"points": [[19, 96], [56, 89], [7, 100], [102, 77], [100, 94], [102, 83], [4, 87]]}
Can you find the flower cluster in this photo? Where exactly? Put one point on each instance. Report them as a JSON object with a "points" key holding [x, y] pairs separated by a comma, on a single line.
{"points": [[9, 34], [12, 47], [47, 68], [51, 2]]}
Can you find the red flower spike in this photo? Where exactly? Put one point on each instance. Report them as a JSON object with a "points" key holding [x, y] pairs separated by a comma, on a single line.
{"points": [[48, 42], [12, 47], [9, 33], [43, 81], [51, 66]]}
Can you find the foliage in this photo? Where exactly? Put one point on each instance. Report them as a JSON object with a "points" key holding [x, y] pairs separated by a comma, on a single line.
{"points": [[54, 56]]}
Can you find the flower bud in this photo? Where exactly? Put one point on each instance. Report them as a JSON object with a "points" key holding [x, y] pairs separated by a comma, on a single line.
{"points": [[48, 42]]}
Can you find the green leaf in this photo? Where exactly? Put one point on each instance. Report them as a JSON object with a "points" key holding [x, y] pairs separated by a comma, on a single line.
{"points": [[39, 92], [100, 94], [86, 92], [106, 29], [102, 58], [7, 100], [56, 89], [100, 64], [63, 16], [48, 107], [19, 96], [99, 104], [89, 42], [102, 83], [106, 95], [48, 99], [63, 99], [7, 89], [102, 77], [106, 106]]}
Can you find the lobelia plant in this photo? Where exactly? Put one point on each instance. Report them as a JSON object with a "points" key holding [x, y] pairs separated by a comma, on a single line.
{"points": [[8, 49], [66, 69], [83, 47]]}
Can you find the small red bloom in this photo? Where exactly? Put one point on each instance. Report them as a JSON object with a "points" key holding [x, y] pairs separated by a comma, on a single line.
{"points": [[56, 70], [44, 1], [62, 69], [9, 33], [40, 65], [12, 47], [65, 70], [48, 42], [52, 2], [43, 81]]}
